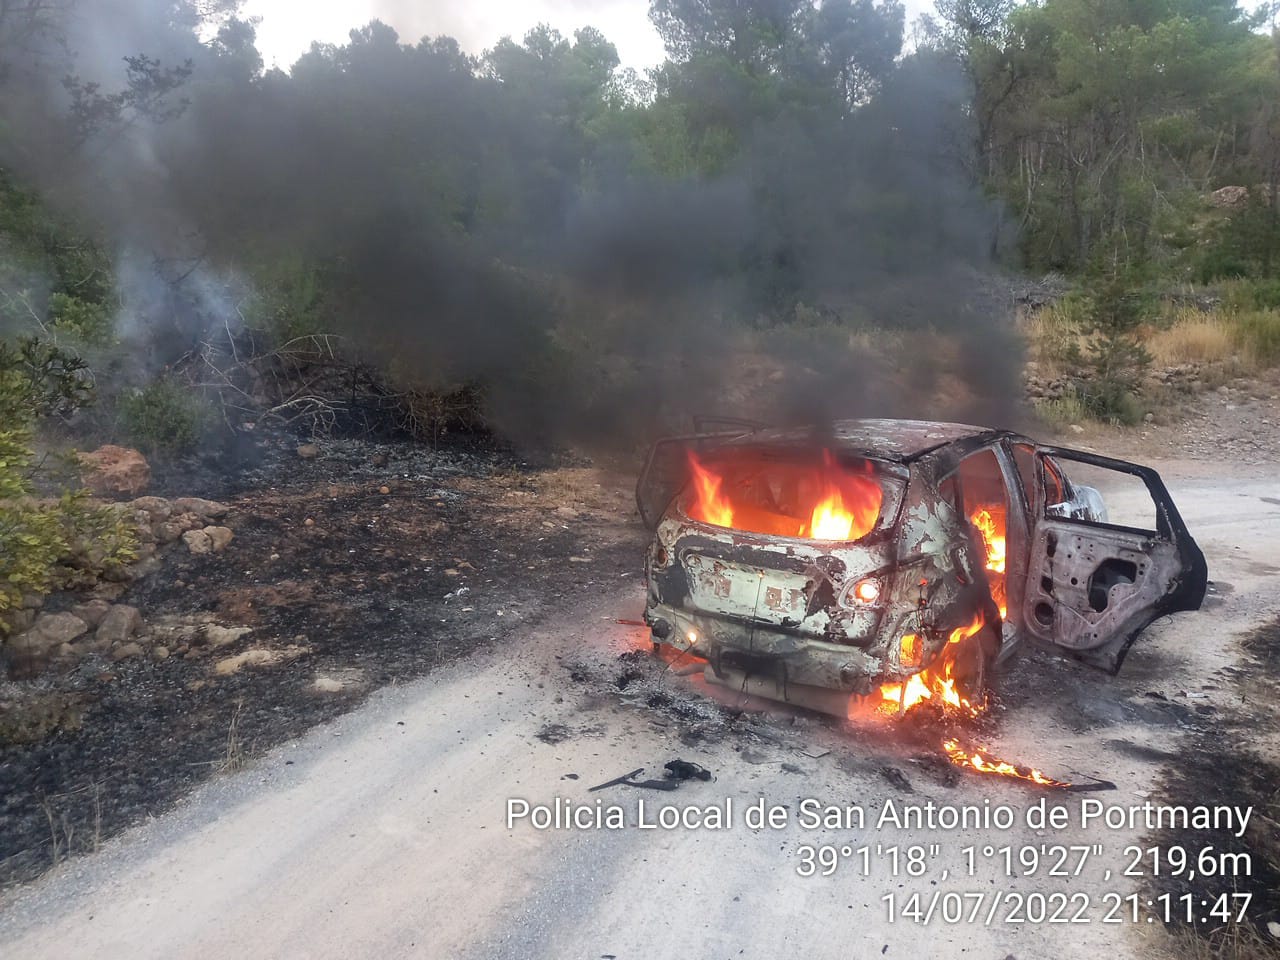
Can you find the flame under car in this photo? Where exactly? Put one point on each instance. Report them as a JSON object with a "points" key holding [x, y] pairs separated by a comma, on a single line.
{"points": [[898, 560]]}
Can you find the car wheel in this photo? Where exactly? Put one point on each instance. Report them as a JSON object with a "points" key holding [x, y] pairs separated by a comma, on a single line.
{"points": [[974, 666]]}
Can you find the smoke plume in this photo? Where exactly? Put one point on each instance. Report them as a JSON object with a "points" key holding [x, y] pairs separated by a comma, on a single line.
{"points": [[522, 226]]}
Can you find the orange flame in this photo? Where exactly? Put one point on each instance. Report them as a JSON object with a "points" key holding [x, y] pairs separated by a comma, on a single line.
{"points": [[989, 521], [983, 763], [823, 502], [712, 507], [830, 519], [938, 681]]}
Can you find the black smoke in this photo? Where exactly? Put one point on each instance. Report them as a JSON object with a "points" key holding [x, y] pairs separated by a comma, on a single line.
{"points": [[505, 224]]}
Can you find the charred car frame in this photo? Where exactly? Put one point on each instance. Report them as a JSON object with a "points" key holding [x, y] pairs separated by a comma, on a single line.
{"points": [[902, 559]]}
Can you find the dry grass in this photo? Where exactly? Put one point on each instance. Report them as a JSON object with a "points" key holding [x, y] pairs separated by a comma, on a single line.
{"points": [[234, 758], [1236, 941], [1244, 341], [1053, 334], [1194, 337]]}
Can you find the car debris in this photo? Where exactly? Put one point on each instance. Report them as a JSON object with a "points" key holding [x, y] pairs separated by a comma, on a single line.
{"points": [[677, 772], [897, 562]]}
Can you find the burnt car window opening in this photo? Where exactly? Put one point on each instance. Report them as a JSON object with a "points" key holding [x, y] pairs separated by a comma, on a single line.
{"points": [[806, 495], [985, 504], [1128, 504]]}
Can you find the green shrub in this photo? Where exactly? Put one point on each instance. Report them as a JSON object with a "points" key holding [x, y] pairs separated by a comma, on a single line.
{"points": [[30, 533], [163, 417], [1245, 295], [1258, 333], [291, 300], [99, 538], [46, 543], [90, 322], [1110, 402], [48, 380], [1217, 263], [1061, 411]]}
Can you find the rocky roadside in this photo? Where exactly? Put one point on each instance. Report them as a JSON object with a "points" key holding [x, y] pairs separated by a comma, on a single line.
{"points": [[319, 574], [43, 638], [1235, 423]]}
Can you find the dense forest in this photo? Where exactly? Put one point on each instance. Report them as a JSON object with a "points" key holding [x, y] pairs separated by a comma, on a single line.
{"points": [[484, 218], [537, 240]]}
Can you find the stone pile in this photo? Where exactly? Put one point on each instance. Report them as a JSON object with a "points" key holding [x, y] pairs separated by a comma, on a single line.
{"points": [[99, 625]]}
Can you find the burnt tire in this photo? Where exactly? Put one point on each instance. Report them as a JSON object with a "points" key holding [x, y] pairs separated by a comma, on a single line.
{"points": [[975, 664]]}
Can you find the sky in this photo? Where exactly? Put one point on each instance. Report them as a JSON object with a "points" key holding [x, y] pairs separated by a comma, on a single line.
{"points": [[289, 26]]}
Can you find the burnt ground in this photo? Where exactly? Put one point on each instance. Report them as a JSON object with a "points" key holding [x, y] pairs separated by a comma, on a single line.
{"points": [[1221, 764], [369, 565]]}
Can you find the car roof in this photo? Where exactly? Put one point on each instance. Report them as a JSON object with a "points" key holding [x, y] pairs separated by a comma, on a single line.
{"points": [[896, 440]]}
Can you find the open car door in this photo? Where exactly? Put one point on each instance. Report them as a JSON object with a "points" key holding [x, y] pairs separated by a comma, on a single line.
{"points": [[1092, 586]]}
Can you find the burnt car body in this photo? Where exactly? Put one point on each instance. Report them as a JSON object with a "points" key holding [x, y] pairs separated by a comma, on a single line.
{"points": [[960, 543]]}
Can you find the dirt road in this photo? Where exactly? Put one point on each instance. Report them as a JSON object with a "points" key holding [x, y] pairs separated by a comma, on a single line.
{"points": [[385, 833]]}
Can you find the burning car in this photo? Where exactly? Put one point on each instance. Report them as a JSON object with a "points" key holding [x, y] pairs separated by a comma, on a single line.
{"points": [[900, 560]]}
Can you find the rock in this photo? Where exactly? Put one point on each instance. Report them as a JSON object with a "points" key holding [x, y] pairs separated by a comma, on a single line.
{"points": [[1273, 928], [219, 537], [120, 623], [327, 685], [142, 521], [59, 628], [156, 508], [160, 653], [308, 451], [1076, 428], [110, 592], [384, 490], [122, 573], [308, 522], [217, 636], [202, 509], [48, 636], [188, 521], [198, 542], [126, 651], [257, 657], [1229, 197], [1149, 418], [167, 532], [112, 469], [19, 621], [91, 612]]}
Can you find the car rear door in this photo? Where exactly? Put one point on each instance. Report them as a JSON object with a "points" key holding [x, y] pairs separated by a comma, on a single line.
{"points": [[1092, 586]]}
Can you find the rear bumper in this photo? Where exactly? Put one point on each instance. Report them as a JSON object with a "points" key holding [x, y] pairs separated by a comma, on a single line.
{"points": [[762, 650]]}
